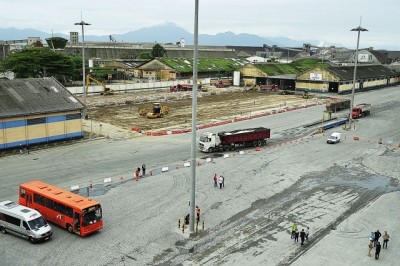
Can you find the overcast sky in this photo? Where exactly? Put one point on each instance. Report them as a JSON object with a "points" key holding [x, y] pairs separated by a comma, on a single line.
{"points": [[321, 20]]}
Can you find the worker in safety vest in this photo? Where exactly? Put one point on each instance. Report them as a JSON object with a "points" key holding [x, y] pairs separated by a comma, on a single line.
{"points": [[294, 228]]}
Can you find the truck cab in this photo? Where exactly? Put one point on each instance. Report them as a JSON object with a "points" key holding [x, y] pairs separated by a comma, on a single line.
{"points": [[208, 142]]}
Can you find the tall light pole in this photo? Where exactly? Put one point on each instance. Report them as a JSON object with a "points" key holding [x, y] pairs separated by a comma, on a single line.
{"points": [[359, 29], [194, 119], [82, 23]]}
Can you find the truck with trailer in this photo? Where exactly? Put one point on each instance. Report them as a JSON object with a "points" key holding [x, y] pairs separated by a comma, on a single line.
{"points": [[23, 221], [181, 87], [338, 105], [361, 110], [230, 140]]}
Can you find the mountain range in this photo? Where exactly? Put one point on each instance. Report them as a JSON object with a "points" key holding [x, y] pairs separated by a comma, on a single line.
{"points": [[165, 33]]}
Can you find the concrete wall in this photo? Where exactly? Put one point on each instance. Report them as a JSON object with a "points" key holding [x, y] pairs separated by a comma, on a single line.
{"points": [[120, 87]]}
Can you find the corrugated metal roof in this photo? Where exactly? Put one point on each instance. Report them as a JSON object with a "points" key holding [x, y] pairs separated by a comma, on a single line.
{"points": [[363, 72], [35, 96]]}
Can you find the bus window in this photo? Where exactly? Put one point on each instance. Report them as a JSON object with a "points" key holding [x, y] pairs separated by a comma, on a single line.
{"points": [[22, 192], [91, 215]]}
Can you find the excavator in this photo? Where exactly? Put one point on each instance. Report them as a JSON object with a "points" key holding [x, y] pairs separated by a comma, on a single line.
{"points": [[106, 91]]}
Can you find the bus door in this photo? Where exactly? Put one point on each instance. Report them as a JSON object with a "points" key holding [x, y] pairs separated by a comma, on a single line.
{"points": [[29, 200], [77, 222]]}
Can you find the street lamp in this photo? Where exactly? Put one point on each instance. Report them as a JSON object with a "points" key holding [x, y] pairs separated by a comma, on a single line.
{"points": [[82, 23], [359, 29], [194, 118]]}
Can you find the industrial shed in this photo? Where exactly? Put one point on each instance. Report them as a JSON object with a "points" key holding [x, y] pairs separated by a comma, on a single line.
{"points": [[339, 79], [34, 111]]}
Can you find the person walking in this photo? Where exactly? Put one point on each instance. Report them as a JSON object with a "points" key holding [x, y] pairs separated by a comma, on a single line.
{"points": [[293, 228], [307, 232], [377, 250], [302, 236], [377, 236], [385, 239], [143, 169], [220, 181], [372, 236], [215, 180], [369, 247], [223, 181], [198, 213], [137, 173], [296, 236]]}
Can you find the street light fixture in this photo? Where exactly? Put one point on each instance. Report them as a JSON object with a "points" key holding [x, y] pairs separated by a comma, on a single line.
{"points": [[359, 29], [82, 23]]}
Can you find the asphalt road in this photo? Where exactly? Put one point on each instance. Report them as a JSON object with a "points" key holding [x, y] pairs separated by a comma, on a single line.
{"points": [[79, 163], [247, 222]]}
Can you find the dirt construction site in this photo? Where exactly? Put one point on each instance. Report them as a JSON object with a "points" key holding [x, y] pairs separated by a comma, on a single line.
{"points": [[119, 113]]}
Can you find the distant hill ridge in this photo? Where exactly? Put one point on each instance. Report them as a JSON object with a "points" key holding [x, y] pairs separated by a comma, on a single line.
{"points": [[165, 33]]}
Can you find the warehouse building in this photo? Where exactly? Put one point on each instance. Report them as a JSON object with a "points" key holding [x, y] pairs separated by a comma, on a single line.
{"points": [[34, 111], [339, 79]]}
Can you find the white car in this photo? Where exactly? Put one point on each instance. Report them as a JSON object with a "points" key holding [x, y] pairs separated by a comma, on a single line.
{"points": [[334, 138]]}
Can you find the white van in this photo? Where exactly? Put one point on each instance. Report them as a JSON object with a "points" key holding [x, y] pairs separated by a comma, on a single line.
{"points": [[334, 138], [23, 221]]}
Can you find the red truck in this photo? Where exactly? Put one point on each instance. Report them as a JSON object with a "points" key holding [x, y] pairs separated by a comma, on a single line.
{"points": [[223, 83], [361, 110], [181, 87], [272, 87], [229, 140]]}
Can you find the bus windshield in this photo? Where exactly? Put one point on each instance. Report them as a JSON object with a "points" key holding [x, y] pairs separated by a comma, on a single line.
{"points": [[91, 215], [37, 223]]}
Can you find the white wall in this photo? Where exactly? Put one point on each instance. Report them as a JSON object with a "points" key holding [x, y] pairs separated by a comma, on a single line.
{"points": [[121, 87]]}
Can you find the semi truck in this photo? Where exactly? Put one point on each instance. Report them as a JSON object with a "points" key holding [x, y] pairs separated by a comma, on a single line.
{"points": [[336, 106], [361, 110], [181, 87], [229, 140]]}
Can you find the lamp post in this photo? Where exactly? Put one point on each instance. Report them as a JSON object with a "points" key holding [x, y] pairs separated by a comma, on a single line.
{"points": [[359, 29], [194, 119], [82, 23]]}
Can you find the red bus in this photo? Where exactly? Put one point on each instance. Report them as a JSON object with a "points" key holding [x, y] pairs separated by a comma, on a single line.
{"points": [[77, 214]]}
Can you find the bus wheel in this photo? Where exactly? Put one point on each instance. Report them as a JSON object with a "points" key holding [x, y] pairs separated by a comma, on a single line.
{"points": [[3, 229], [69, 228], [31, 240]]}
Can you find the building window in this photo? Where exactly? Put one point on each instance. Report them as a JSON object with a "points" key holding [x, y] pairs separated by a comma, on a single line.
{"points": [[74, 116], [36, 121]]}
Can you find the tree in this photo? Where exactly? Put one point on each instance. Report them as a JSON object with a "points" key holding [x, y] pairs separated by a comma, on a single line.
{"points": [[158, 51], [43, 62], [145, 55]]}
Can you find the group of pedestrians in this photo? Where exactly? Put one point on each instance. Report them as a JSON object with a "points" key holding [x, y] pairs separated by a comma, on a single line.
{"points": [[137, 172], [303, 233], [373, 242], [219, 181]]}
